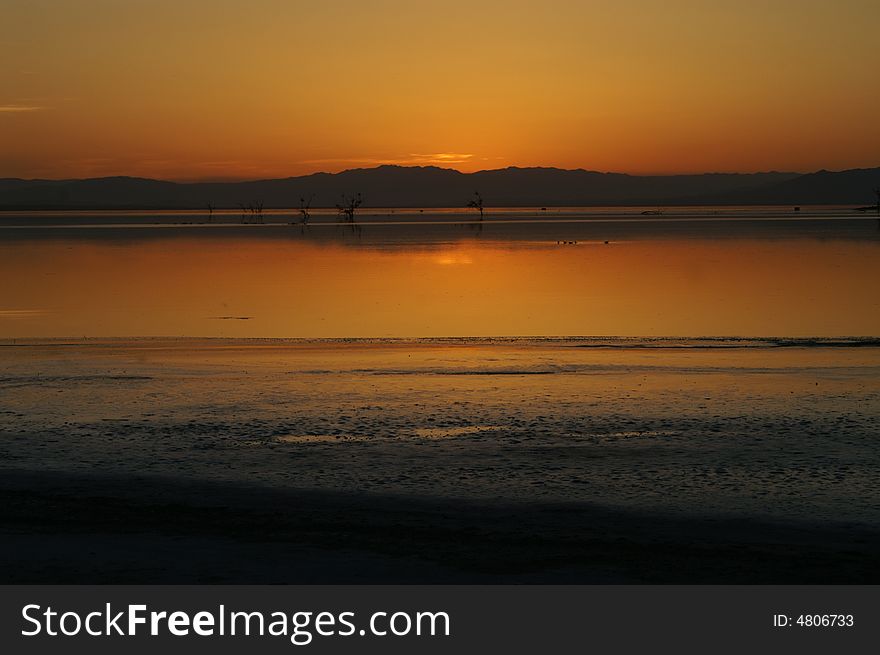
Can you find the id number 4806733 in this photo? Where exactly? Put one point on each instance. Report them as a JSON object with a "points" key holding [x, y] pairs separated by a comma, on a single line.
{"points": [[813, 621]]}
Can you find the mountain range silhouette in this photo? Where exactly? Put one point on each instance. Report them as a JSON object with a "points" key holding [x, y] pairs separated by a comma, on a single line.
{"points": [[429, 186]]}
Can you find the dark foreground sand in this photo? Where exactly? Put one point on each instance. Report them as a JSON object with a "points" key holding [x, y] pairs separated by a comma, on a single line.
{"points": [[510, 461], [94, 529]]}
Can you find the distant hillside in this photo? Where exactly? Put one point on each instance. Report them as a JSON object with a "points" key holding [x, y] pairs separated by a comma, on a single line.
{"points": [[854, 186], [399, 186]]}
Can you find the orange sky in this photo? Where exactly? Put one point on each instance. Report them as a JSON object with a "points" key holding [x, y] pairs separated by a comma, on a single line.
{"points": [[266, 88]]}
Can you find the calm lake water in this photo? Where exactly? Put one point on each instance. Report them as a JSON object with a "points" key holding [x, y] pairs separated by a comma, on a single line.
{"points": [[412, 273]]}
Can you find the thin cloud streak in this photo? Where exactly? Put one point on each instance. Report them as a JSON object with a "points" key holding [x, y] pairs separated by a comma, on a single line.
{"points": [[413, 159], [18, 109], [14, 314]]}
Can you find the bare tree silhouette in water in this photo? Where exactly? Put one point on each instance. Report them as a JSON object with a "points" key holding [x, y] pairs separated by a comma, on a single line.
{"points": [[877, 193], [348, 206], [254, 210], [476, 203], [210, 207], [346, 209], [305, 207]]}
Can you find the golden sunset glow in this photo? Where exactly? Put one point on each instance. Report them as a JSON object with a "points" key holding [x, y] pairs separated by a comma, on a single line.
{"points": [[217, 89]]}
